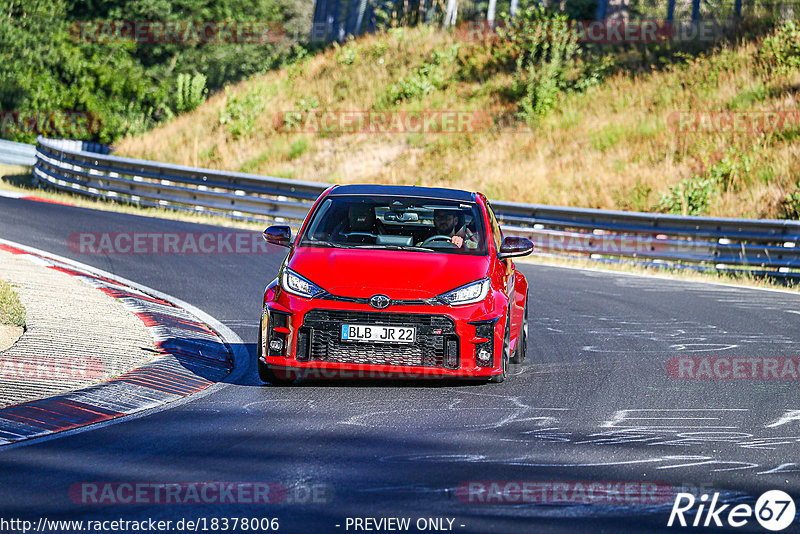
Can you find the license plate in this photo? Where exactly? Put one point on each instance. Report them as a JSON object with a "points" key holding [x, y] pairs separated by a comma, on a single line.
{"points": [[371, 333]]}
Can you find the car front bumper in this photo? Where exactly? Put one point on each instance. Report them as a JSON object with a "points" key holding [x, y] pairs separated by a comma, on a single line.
{"points": [[446, 345]]}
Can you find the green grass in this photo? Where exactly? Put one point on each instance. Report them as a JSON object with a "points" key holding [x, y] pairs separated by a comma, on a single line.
{"points": [[12, 312]]}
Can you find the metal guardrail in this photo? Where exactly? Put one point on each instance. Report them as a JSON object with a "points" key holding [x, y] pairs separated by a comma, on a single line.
{"points": [[12, 153], [758, 246]]}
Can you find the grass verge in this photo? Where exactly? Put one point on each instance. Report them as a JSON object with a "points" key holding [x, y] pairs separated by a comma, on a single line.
{"points": [[12, 312]]}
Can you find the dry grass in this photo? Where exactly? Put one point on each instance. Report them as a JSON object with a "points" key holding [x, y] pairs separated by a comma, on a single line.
{"points": [[609, 147]]}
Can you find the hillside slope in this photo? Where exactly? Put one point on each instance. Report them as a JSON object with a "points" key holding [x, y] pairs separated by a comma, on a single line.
{"points": [[618, 144]]}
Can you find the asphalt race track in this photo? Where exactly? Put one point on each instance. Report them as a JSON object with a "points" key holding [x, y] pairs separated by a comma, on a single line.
{"points": [[593, 402]]}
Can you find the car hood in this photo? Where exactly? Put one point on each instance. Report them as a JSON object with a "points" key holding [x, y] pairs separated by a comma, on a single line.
{"points": [[398, 274]]}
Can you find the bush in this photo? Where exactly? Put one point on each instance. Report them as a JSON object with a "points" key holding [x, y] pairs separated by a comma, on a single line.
{"points": [[780, 52], [431, 76], [689, 197], [190, 92], [694, 195], [790, 205], [241, 112], [545, 51], [732, 172]]}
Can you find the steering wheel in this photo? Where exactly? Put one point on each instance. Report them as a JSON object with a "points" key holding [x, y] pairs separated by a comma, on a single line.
{"points": [[439, 239]]}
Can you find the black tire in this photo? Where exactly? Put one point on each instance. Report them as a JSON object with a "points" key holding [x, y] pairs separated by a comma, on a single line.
{"points": [[265, 372], [499, 379], [522, 344]]}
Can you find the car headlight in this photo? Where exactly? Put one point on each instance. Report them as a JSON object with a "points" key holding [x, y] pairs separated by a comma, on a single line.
{"points": [[293, 283], [467, 294]]}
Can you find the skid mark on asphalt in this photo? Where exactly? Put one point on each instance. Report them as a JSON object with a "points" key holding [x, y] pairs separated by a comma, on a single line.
{"points": [[500, 410], [664, 440], [626, 336]]}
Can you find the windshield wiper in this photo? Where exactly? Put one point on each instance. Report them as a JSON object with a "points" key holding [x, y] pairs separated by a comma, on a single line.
{"points": [[326, 244], [396, 247]]}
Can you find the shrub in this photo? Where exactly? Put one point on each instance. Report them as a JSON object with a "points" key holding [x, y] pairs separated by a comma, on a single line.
{"points": [[732, 172], [780, 52], [432, 75], [546, 49], [298, 147], [190, 92], [241, 111], [691, 196], [790, 205]]}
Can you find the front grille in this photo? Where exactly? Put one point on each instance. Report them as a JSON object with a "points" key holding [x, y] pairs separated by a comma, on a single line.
{"points": [[436, 344]]}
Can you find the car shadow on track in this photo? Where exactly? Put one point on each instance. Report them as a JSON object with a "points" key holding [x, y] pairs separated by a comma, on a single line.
{"points": [[365, 379]]}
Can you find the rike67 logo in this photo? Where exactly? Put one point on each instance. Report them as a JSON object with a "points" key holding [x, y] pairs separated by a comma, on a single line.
{"points": [[774, 511]]}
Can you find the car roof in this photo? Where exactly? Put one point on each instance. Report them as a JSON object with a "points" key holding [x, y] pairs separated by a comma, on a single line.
{"points": [[403, 191]]}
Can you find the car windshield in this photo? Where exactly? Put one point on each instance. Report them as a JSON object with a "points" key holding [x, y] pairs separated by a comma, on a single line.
{"points": [[393, 223]]}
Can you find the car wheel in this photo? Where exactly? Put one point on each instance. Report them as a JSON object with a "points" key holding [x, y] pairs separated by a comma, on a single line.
{"points": [[522, 344], [267, 373], [497, 379]]}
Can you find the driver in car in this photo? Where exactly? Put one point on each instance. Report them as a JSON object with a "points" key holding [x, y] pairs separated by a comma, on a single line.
{"points": [[451, 223]]}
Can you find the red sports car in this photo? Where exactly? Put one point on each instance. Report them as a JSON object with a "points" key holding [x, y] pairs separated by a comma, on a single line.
{"points": [[395, 281]]}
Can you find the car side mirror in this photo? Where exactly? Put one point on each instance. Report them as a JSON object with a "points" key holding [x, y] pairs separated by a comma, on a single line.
{"points": [[515, 246], [279, 235]]}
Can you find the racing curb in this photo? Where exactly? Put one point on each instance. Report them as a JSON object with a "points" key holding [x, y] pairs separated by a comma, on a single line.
{"points": [[191, 357]]}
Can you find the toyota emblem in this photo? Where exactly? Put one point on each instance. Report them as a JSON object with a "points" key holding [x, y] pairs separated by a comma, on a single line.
{"points": [[380, 302]]}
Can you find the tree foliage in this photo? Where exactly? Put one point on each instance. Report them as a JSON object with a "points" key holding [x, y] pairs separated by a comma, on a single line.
{"points": [[47, 67]]}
